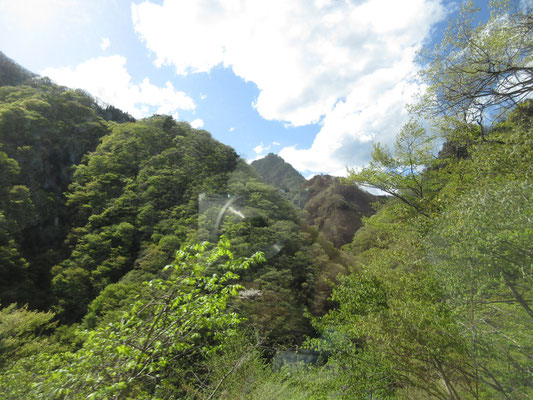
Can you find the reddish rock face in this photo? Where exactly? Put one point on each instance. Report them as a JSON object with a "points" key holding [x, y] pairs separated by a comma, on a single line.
{"points": [[336, 209]]}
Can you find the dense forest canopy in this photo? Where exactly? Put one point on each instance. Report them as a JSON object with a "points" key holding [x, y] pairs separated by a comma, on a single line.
{"points": [[142, 259]]}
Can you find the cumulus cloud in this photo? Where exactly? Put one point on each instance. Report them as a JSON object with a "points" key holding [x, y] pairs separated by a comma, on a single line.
{"points": [[346, 65], [105, 43], [197, 123], [108, 79], [261, 148], [367, 115]]}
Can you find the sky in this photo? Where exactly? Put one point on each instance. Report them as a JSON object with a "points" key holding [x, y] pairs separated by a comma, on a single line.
{"points": [[315, 81]]}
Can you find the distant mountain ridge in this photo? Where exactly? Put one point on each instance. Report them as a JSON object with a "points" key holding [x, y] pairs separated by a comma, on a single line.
{"points": [[333, 208]]}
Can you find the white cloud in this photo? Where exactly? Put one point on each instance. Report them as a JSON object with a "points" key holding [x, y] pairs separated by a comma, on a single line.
{"points": [[197, 123], [105, 43], [203, 96], [261, 148], [108, 79], [347, 65], [349, 130], [276, 143], [231, 129]]}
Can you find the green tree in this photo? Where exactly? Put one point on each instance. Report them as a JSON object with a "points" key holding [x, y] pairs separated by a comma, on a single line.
{"points": [[404, 173], [21, 333], [477, 73], [154, 349], [44, 130], [389, 332], [482, 256], [16, 214]]}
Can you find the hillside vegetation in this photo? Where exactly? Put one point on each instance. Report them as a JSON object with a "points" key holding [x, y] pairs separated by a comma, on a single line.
{"points": [[145, 260]]}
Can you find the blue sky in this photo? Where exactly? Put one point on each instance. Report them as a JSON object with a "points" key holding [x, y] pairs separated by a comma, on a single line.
{"points": [[314, 81]]}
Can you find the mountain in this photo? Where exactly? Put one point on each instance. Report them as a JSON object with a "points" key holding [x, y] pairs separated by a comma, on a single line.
{"points": [[276, 172], [93, 203], [333, 208]]}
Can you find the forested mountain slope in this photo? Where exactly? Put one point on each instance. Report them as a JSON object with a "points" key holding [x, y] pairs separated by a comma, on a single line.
{"points": [[94, 203], [45, 130]]}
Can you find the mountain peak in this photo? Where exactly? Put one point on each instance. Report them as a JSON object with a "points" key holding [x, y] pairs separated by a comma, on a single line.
{"points": [[276, 172]]}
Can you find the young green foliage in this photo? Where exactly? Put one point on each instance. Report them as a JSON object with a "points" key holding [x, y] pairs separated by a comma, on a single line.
{"points": [[477, 73], [20, 331], [482, 255], [181, 320], [401, 173]]}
